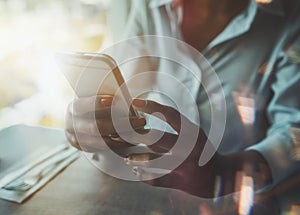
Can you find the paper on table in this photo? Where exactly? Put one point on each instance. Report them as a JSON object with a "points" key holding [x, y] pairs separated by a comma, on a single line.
{"points": [[20, 196], [20, 145]]}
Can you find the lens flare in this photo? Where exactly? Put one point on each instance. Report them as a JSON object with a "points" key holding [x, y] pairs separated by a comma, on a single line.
{"points": [[295, 133], [246, 196], [264, 1]]}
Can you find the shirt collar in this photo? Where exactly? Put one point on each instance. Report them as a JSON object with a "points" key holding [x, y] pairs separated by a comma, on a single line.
{"points": [[159, 3], [238, 26], [275, 7]]}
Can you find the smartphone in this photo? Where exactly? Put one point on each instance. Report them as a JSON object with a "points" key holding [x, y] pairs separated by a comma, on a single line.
{"points": [[90, 74]]}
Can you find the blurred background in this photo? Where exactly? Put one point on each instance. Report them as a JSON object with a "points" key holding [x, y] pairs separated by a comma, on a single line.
{"points": [[32, 89]]}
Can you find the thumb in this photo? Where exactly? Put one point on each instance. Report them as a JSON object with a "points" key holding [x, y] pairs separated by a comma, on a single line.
{"points": [[168, 114]]}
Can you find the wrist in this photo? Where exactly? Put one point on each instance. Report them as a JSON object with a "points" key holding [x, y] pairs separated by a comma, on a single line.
{"points": [[247, 163]]}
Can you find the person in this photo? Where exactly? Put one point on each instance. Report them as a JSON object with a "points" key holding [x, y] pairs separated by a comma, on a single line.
{"points": [[251, 46]]}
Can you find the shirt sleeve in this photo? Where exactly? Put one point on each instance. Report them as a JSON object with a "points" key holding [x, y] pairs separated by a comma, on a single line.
{"points": [[279, 147], [138, 20]]}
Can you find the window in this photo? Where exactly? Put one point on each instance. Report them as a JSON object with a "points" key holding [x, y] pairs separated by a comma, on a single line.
{"points": [[32, 89]]}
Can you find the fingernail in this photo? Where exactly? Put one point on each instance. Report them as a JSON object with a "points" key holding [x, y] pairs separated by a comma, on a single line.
{"points": [[139, 103], [127, 159], [106, 101], [142, 121], [117, 139], [138, 122]]}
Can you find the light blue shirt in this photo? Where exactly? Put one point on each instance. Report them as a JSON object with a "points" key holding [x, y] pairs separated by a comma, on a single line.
{"points": [[262, 102]]}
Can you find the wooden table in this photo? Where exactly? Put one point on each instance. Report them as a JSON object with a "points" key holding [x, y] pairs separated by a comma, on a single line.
{"points": [[81, 189]]}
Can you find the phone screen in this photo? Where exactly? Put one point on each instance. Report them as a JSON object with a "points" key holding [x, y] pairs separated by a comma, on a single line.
{"points": [[92, 74]]}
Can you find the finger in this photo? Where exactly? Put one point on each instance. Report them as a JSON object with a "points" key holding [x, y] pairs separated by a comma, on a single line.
{"points": [[108, 127], [165, 144], [162, 145], [155, 177], [100, 114], [95, 143], [70, 119], [86, 143], [170, 115], [84, 105], [117, 145], [72, 139], [144, 160], [140, 159], [87, 147], [104, 126]]}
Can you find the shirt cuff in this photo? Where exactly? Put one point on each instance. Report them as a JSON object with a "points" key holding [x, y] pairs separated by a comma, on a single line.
{"points": [[279, 153]]}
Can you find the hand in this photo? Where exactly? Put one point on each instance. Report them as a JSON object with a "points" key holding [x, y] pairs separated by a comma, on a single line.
{"points": [[89, 125], [188, 176]]}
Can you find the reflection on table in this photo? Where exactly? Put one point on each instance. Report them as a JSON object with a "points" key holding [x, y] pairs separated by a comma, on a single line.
{"points": [[83, 189]]}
